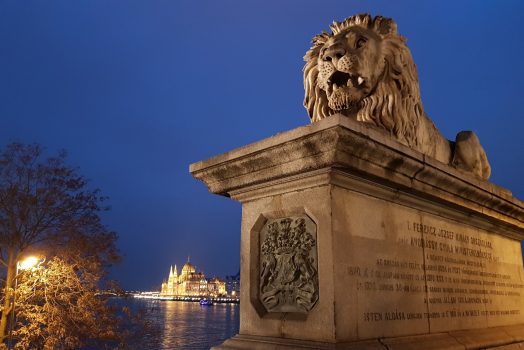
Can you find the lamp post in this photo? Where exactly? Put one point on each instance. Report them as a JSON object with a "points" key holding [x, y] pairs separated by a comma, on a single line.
{"points": [[26, 264]]}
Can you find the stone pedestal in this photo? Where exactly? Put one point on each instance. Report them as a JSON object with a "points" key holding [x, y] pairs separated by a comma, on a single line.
{"points": [[351, 240]]}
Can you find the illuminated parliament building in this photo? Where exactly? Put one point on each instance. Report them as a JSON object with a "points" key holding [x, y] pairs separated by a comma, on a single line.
{"points": [[191, 283]]}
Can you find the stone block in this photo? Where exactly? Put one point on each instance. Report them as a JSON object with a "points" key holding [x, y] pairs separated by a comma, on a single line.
{"points": [[408, 252]]}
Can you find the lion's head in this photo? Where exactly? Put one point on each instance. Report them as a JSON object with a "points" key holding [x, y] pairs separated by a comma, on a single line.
{"points": [[363, 69]]}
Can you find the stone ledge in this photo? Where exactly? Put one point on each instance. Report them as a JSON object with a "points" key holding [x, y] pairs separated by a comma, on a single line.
{"points": [[357, 149], [500, 338], [251, 342]]}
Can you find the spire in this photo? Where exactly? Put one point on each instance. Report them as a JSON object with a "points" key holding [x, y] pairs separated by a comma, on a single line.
{"points": [[175, 272], [171, 271]]}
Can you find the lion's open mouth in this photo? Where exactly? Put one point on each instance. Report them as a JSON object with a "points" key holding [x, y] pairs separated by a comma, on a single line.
{"points": [[341, 79], [345, 91]]}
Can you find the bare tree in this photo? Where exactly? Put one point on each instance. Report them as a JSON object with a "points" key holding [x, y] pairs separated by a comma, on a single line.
{"points": [[45, 205]]}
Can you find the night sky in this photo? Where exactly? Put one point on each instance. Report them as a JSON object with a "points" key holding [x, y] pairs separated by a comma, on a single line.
{"points": [[136, 91]]}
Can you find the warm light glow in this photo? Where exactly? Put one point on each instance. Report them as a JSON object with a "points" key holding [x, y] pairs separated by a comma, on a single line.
{"points": [[28, 263]]}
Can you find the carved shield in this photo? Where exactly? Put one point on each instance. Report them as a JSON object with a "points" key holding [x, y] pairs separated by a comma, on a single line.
{"points": [[288, 265]]}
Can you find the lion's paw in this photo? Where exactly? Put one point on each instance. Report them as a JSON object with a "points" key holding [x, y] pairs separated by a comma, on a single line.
{"points": [[469, 155]]}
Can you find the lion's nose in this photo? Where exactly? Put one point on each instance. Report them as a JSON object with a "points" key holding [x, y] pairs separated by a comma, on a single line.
{"points": [[334, 53]]}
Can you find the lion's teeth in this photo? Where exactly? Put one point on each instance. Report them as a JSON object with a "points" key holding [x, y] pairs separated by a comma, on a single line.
{"points": [[335, 87], [360, 80]]}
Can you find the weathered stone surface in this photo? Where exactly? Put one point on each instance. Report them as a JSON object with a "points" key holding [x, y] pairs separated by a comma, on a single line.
{"points": [[364, 70], [358, 149], [409, 250], [414, 272], [482, 338], [246, 342], [518, 346], [318, 323], [288, 265], [517, 332], [442, 341], [426, 342]]}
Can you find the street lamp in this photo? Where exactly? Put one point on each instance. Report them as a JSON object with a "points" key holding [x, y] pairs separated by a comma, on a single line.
{"points": [[27, 264]]}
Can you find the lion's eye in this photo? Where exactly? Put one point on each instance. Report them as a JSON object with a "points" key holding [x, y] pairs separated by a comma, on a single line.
{"points": [[360, 42]]}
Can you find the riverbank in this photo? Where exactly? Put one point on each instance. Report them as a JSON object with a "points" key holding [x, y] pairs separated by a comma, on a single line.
{"points": [[157, 296]]}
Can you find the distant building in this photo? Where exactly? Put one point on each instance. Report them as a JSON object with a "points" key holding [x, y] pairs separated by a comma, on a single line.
{"points": [[191, 283], [233, 285]]}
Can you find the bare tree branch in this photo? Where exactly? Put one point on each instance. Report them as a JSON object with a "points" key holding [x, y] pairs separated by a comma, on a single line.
{"points": [[46, 208]]}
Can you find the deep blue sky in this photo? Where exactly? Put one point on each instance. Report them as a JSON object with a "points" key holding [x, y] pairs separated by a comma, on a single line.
{"points": [[136, 91]]}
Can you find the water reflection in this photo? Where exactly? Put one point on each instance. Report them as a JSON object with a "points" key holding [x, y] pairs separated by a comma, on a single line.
{"points": [[187, 325]]}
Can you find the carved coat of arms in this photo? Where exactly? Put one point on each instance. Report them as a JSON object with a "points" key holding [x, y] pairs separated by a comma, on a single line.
{"points": [[288, 265]]}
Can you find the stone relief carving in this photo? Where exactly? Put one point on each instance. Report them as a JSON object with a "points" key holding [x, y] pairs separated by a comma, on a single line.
{"points": [[364, 70], [288, 265]]}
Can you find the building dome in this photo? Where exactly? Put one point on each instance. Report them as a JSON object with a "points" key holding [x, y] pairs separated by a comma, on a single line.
{"points": [[188, 268]]}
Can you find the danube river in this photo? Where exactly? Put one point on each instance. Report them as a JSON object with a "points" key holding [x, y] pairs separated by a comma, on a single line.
{"points": [[185, 325]]}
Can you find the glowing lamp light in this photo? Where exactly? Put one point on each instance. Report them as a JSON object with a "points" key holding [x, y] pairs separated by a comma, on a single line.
{"points": [[28, 263]]}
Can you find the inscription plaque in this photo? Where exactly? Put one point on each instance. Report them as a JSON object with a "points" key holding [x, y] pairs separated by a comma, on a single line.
{"points": [[288, 265], [417, 271]]}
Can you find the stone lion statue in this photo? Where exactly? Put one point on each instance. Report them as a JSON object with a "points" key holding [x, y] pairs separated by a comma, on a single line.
{"points": [[364, 70]]}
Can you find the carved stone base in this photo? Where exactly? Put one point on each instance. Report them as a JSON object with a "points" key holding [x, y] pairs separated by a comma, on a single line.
{"points": [[349, 236], [249, 342], [499, 338]]}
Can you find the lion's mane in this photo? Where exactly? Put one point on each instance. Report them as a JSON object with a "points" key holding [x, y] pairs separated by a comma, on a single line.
{"points": [[394, 103]]}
